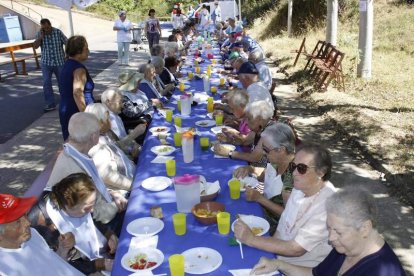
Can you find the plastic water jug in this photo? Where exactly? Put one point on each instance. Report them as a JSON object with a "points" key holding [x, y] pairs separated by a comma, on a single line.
{"points": [[185, 105], [187, 142], [187, 192], [206, 84]]}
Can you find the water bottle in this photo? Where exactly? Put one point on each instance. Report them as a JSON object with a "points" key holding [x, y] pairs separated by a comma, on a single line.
{"points": [[187, 142], [206, 84]]}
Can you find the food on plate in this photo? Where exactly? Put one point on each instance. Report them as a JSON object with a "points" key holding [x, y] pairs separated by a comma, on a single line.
{"points": [[160, 129], [201, 212], [256, 230], [203, 123], [156, 212], [164, 149], [141, 262]]}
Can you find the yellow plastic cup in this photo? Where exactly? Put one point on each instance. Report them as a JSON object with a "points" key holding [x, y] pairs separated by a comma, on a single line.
{"points": [[179, 105], [213, 89], [176, 263], [223, 223], [219, 118], [213, 61], [179, 221], [234, 185], [177, 139], [168, 115], [204, 143], [222, 81], [196, 62], [181, 86], [190, 75], [170, 167], [198, 70], [177, 121]]}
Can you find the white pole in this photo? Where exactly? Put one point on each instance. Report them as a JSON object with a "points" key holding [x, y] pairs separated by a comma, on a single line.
{"points": [[366, 22], [71, 22], [234, 9], [289, 23], [240, 15], [332, 21]]}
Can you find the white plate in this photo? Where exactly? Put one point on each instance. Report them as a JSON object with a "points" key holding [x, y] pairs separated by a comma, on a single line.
{"points": [[206, 123], [163, 150], [148, 226], [156, 183], [253, 221], [209, 188], [201, 260], [152, 255], [218, 129], [228, 146], [159, 130]]}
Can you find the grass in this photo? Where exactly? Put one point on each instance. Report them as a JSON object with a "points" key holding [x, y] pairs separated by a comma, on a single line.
{"points": [[380, 111]]}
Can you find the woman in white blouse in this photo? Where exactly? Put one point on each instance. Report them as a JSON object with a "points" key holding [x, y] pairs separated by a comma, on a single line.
{"points": [[301, 236]]}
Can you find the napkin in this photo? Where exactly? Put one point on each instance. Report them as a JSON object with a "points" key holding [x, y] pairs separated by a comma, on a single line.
{"points": [[142, 273], [250, 181], [246, 272], [161, 159], [143, 242], [201, 97]]}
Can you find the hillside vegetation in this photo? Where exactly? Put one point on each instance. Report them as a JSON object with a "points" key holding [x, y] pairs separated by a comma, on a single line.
{"points": [[379, 111]]}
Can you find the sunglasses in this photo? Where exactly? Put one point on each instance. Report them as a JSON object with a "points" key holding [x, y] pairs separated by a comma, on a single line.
{"points": [[302, 168]]}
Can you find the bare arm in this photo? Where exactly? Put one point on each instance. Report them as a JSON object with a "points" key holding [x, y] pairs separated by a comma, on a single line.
{"points": [[79, 80], [38, 40], [270, 244], [267, 265]]}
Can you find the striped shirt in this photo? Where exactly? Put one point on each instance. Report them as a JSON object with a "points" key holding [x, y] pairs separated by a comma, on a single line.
{"points": [[52, 48]]}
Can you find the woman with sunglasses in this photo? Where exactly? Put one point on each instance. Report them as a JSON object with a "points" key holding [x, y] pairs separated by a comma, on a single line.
{"points": [[301, 236], [278, 145]]}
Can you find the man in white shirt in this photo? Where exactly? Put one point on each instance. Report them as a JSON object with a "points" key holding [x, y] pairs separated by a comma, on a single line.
{"points": [[249, 78], [216, 14], [258, 59], [22, 250]]}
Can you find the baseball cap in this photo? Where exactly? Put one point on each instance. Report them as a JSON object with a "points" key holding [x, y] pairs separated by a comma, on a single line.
{"points": [[122, 13], [248, 68], [12, 208]]}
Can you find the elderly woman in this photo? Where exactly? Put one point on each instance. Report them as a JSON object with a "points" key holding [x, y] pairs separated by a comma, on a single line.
{"points": [[301, 236], [358, 248], [69, 207], [170, 71], [75, 84], [136, 107], [147, 85], [259, 116], [165, 88], [278, 145], [114, 167]]}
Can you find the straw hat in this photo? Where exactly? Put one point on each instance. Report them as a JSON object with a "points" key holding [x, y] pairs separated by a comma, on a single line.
{"points": [[129, 80]]}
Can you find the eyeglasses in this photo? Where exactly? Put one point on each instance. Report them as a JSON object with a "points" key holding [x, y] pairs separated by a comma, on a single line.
{"points": [[267, 151], [302, 168]]}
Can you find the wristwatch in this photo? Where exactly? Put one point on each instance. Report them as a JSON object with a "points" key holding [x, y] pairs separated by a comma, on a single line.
{"points": [[230, 154]]}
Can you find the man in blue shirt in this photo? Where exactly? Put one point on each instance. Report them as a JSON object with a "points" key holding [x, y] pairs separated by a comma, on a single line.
{"points": [[51, 41]]}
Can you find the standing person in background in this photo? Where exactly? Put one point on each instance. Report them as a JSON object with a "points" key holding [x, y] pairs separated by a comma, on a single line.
{"points": [[178, 20], [216, 14], [76, 85], [204, 18], [124, 37], [51, 41], [153, 30]]}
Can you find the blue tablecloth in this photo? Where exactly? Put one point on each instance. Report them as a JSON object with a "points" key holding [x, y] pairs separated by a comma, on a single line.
{"points": [[197, 235]]}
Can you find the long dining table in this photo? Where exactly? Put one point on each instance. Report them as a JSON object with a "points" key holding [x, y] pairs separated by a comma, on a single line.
{"points": [[205, 164]]}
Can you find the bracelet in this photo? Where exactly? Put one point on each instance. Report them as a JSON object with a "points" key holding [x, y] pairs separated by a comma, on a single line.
{"points": [[230, 154]]}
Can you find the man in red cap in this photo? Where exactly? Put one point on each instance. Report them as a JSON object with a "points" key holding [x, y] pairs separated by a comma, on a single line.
{"points": [[22, 250]]}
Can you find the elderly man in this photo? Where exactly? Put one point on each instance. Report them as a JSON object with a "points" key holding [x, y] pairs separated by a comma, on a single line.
{"points": [[258, 59], [22, 250], [249, 78], [51, 42], [259, 116], [161, 84], [83, 135]]}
